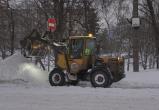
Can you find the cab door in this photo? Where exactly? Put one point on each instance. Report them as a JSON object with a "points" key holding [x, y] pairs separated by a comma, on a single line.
{"points": [[89, 53], [76, 48]]}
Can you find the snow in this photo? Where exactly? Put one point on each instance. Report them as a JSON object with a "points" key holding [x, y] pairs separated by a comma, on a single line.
{"points": [[17, 69], [77, 98], [142, 79], [24, 86]]}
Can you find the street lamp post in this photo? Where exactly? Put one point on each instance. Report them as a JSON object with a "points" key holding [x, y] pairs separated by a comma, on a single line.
{"points": [[135, 25]]}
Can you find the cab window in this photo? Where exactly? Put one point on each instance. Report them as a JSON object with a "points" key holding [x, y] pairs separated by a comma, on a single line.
{"points": [[76, 48], [90, 46]]}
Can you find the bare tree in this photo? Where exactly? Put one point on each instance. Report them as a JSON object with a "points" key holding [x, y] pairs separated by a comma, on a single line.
{"points": [[155, 28]]}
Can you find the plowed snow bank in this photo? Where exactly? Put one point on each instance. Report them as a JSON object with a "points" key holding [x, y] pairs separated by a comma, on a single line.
{"points": [[19, 69]]}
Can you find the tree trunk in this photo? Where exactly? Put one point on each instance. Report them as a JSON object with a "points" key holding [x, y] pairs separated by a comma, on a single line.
{"points": [[12, 34], [155, 28], [86, 16], [128, 63], [59, 11], [11, 27]]}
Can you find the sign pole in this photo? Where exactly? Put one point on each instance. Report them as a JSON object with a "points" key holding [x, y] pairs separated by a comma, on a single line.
{"points": [[51, 28]]}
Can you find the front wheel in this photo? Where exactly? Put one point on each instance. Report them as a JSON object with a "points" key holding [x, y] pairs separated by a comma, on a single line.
{"points": [[56, 78], [100, 78]]}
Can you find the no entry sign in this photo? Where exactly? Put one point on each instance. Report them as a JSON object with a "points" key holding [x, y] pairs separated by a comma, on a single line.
{"points": [[51, 24]]}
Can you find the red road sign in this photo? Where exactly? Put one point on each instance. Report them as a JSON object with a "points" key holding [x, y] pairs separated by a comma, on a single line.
{"points": [[51, 24]]}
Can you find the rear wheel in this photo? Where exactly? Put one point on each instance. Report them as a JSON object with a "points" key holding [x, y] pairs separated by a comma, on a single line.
{"points": [[56, 78], [100, 78]]}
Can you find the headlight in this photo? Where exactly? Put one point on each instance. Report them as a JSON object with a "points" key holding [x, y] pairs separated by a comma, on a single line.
{"points": [[36, 46]]}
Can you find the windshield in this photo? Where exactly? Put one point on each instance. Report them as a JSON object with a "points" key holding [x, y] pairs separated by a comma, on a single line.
{"points": [[76, 48]]}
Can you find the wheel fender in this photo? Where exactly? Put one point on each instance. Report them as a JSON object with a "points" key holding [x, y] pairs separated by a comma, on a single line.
{"points": [[57, 69], [54, 70]]}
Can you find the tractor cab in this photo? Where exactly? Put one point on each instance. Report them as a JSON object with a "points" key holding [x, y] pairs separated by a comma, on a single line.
{"points": [[78, 56], [81, 46], [81, 51]]}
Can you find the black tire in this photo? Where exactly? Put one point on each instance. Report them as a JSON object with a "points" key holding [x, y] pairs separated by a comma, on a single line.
{"points": [[56, 78], [110, 82], [74, 83], [100, 78]]}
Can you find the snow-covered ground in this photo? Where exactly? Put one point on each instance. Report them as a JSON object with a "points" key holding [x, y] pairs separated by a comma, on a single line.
{"points": [[23, 86]]}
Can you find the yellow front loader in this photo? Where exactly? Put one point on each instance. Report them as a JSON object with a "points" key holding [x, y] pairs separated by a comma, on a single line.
{"points": [[77, 59]]}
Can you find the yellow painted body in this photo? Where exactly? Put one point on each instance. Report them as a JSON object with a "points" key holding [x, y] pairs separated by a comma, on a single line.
{"points": [[61, 61]]}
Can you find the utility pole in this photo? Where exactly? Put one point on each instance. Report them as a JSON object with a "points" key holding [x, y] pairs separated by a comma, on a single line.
{"points": [[135, 25]]}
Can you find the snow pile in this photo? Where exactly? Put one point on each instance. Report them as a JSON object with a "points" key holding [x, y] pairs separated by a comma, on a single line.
{"points": [[33, 74], [139, 80], [17, 69]]}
